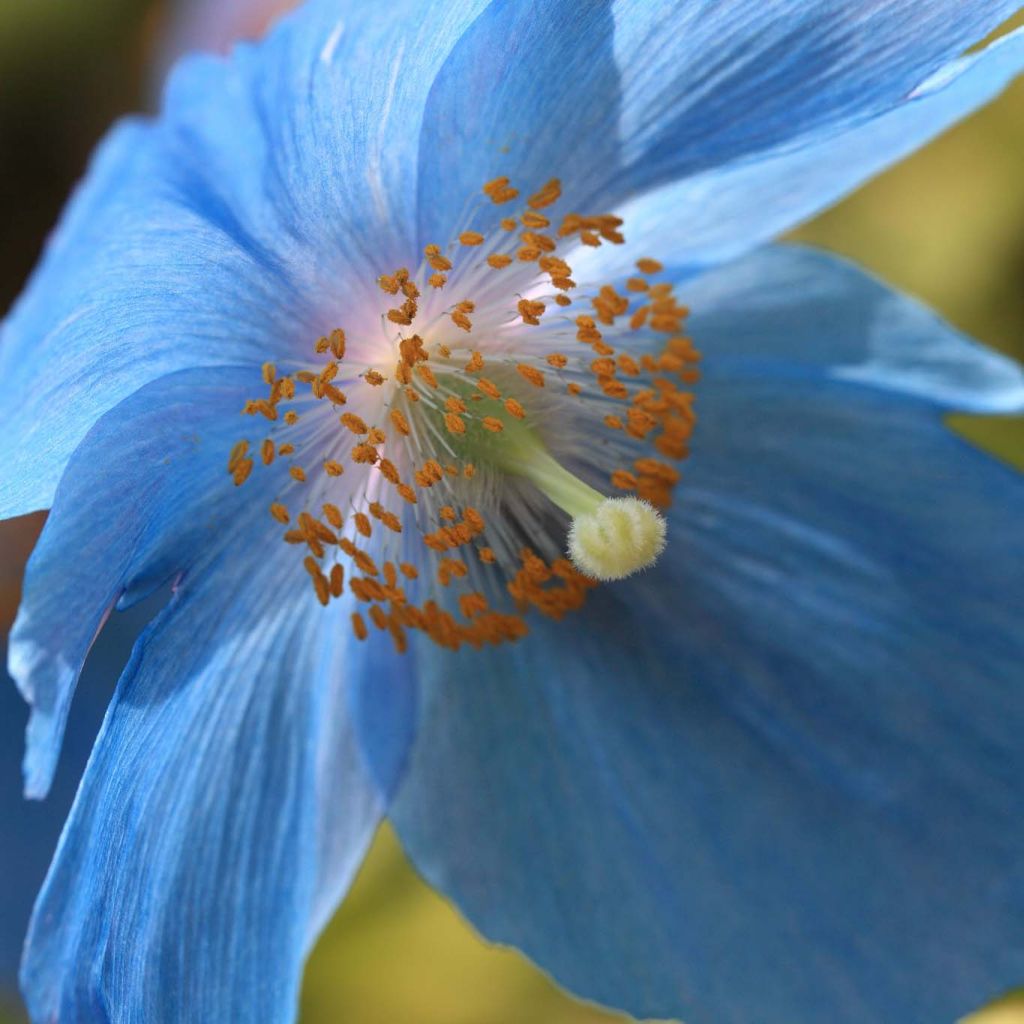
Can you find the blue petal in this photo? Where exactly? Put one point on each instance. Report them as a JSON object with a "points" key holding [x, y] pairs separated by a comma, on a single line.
{"points": [[764, 74], [384, 708], [137, 282], [252, 217], [143, 497], [30, 829], [779, 776], [618, 98], [850, 326], [225, 806], [309, 140], [224, 811], [727, 210]]}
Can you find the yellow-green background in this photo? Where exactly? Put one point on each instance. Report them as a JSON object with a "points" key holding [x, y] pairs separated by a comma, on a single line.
{"points": [[946, 225]]}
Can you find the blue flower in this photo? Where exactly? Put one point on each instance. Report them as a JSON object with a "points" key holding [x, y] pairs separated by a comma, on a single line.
{"points": [[776, 776]]}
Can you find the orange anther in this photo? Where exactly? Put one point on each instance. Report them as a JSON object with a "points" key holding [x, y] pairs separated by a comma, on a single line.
{"points": [[530, 311], [488, 388], [354, 423], [649, 266], [547, 195], [531, 374], [455, 424], [400, 423]]}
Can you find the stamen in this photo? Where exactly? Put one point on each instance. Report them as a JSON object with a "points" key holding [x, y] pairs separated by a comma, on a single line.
{"points": [[421, 447]]}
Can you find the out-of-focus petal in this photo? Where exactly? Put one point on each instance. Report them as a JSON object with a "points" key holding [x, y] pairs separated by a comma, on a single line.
{"points": [[782, 770], [789, 310]]}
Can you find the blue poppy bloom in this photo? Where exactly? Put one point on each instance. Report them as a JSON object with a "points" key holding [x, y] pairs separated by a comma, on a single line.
{"points": [[776, 775]]}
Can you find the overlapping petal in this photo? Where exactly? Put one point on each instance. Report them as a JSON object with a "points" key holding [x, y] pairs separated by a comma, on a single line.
{"points": [[144, 500], [31, 829], [223, 812], [725, 211], [780, 772], [140, 280], [226, 805], [275, 188], [722, 96]]}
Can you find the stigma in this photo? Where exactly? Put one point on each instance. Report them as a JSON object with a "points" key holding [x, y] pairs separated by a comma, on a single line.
{"points": [[500, 442], [620, 537]]}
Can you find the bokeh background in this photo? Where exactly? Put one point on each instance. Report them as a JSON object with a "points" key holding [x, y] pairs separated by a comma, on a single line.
{"points": [[946, 225]]}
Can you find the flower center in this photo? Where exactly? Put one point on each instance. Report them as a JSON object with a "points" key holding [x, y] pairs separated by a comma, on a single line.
{"points": [[436, 484]]}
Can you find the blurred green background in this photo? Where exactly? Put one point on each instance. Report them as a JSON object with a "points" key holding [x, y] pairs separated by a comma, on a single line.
{"points": [[946, 225]]}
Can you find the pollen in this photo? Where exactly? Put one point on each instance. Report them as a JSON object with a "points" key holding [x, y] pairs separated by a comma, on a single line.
{"points": [[649, 266], [421, 427], [499, 191], [488, 387], [531, 374], [530, 311], [455, 424], [354, 423], [549, 194]]}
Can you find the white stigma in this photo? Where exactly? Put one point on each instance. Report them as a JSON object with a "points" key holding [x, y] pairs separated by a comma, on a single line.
{"points": [[620, 537]]}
